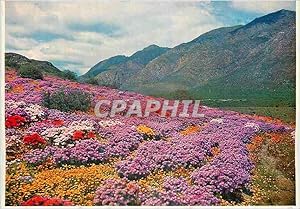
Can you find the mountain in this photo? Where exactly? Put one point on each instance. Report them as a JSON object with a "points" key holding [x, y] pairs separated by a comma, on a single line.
{"points": [[115, 70], [14, 60], [254, 63], [104, 66]]}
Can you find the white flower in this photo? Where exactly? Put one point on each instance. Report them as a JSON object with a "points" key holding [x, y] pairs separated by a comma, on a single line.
{"points": [[35, 112], [13, 104], [252, 125], [217, 120], [293, 134], [62, 136], [108, 123]]}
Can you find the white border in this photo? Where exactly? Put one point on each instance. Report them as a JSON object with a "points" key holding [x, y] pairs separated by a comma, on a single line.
{"points": [[2, 97], [2, 129]]}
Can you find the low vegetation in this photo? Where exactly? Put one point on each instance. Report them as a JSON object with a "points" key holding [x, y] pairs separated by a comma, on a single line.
{"points": [[30, 71], [67, 100]]}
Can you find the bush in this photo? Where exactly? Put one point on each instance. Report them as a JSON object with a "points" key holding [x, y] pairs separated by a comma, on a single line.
{"points": [[92, 81], [30, 71], [67, 100], [67, 74]]}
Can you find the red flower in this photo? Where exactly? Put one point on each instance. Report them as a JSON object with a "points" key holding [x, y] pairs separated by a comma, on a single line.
{"points": [[77, 135], [91, 135], [35, 200], [168, 114], [33, 139], [53, 201], [14, 121], [58, 122], [45, 201]]}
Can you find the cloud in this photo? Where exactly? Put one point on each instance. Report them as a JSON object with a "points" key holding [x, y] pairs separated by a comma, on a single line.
{"points": [[20, 43], [90, 31], [102, 28], [264, 6], [76, 35]]}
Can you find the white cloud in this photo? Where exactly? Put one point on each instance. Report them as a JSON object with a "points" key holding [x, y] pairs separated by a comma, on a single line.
{"points": [[20, 42], [265, 6], [140, 24]]}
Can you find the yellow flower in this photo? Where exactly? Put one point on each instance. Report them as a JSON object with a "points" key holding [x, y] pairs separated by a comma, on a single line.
{"points": [[77, 184], [156, 179], [142, 129]]}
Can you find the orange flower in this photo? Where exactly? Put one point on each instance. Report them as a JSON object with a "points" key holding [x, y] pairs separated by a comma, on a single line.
{"points": [[276, 138], [215, 151], [190, 130], [18, 89]]}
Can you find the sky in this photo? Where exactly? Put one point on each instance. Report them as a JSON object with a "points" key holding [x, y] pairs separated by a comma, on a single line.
{"points": [[75, 35]]}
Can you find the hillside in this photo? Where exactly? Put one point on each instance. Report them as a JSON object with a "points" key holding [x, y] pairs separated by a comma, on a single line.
{"points": [[115, 70], [255, 62], [14, 60], [245, 65]]}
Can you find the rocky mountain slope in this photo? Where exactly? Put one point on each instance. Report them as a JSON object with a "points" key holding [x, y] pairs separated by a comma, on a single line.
{"points": [[253, 63], [115, 70]]}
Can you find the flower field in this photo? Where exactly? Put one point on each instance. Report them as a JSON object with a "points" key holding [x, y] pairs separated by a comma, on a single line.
{"points": [[76, 158]]}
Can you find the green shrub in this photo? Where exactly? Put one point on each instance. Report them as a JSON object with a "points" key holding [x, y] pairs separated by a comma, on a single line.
{"points": [[92, 81], [30, 71], [67, 74], [67, 100]]}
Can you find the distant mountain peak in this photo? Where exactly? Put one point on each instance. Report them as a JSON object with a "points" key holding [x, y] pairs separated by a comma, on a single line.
{"points": [[285, 11], [119, 56], [273, 17], [147, 54], [118, 63], [152, 46], [280, 18]]}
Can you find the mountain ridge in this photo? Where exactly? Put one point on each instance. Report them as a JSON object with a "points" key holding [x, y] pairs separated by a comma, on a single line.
{"points": [[112, 71], [260, 53], [15, 60]]}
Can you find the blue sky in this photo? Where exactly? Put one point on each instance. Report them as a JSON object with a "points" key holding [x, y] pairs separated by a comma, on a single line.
{"points": [[77, 35]]}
